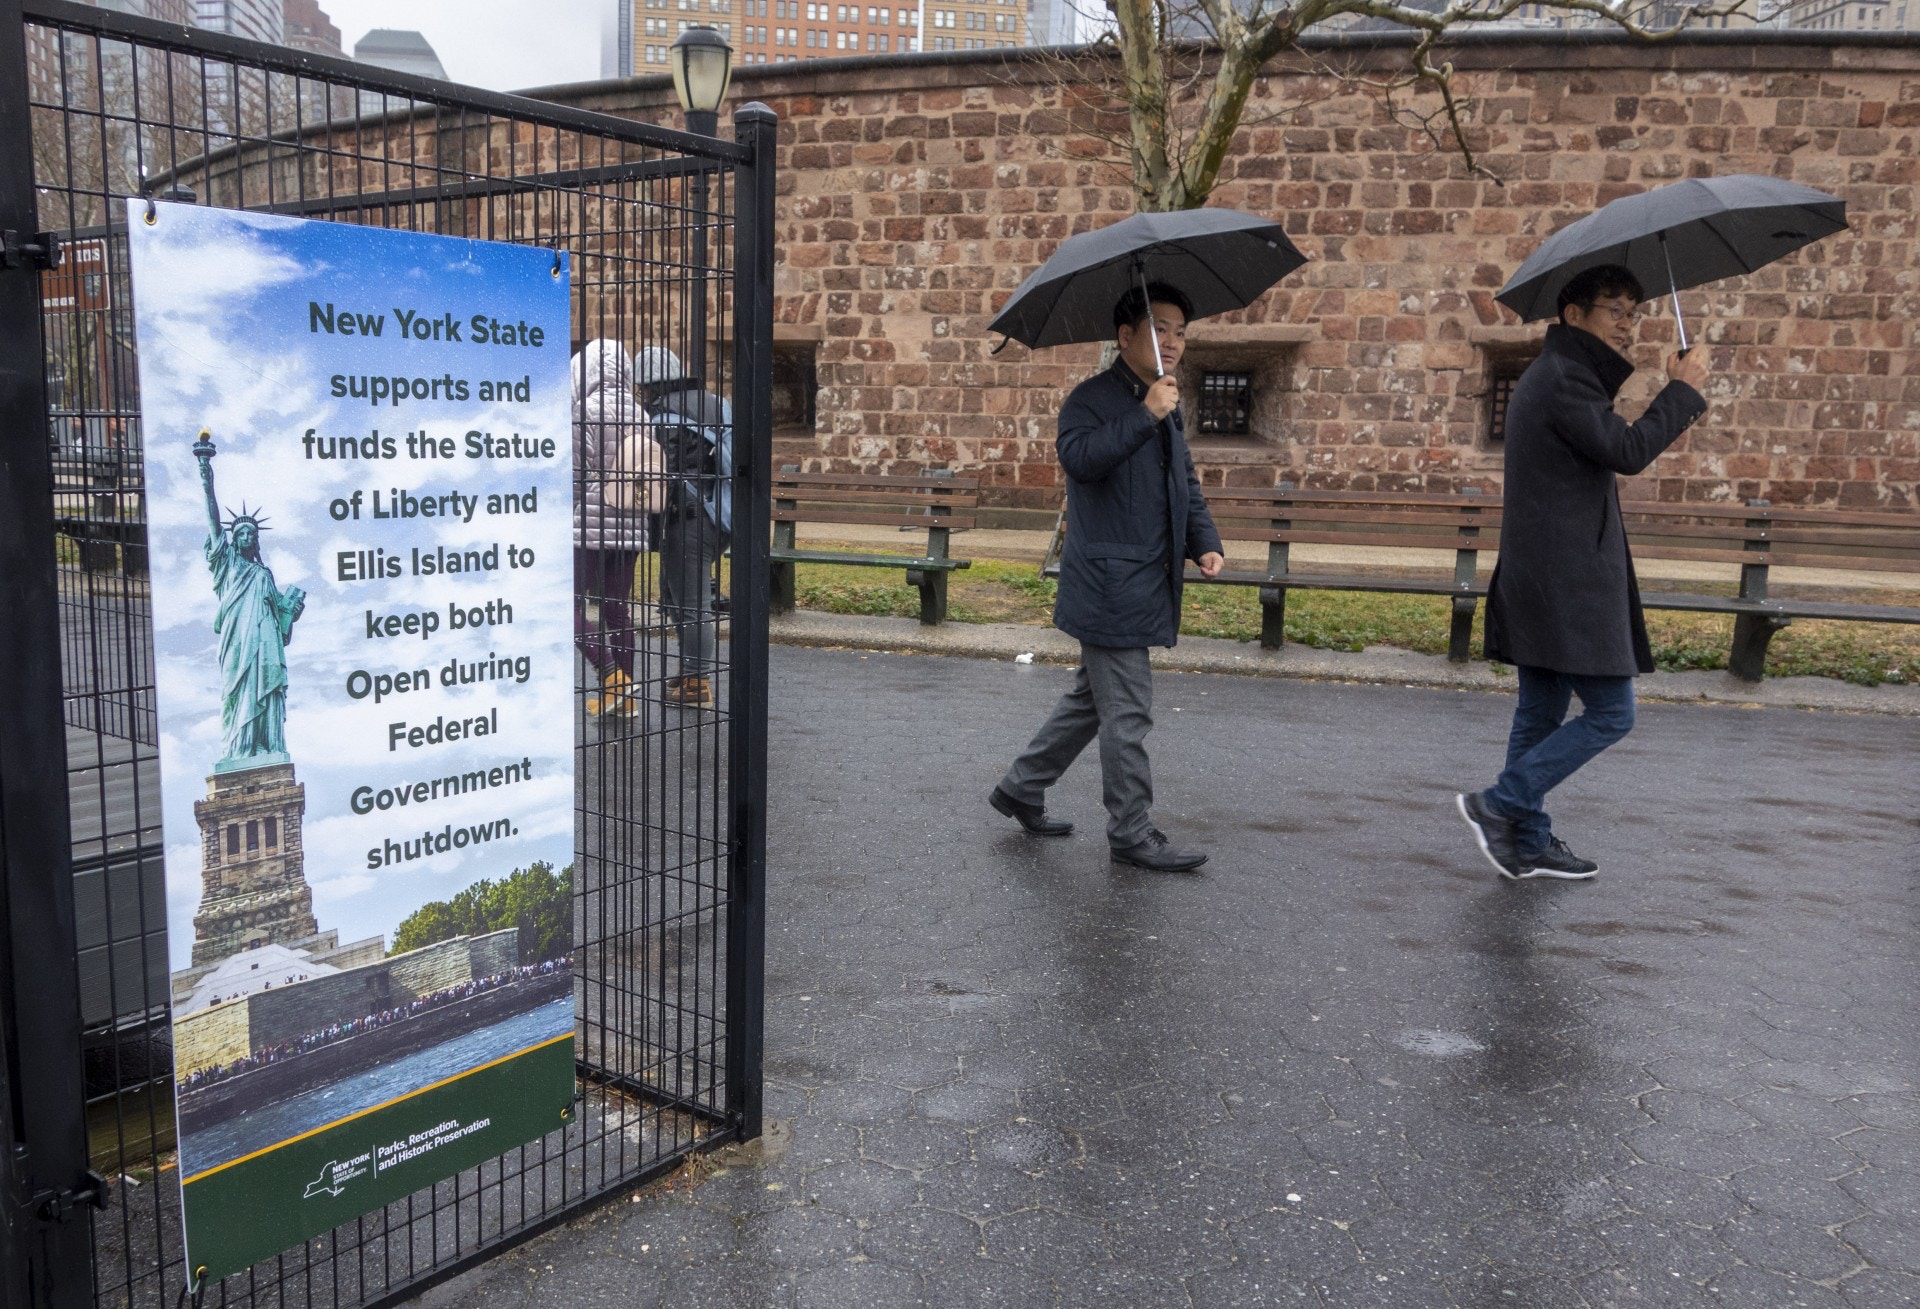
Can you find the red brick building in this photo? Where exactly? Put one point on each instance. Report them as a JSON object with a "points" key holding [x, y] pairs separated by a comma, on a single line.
{"points": [[916, 194]]}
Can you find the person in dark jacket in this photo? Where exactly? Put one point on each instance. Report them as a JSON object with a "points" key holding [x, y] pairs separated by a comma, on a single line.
{"points": [[1135, 515], [1563, 607], [695, 432]]}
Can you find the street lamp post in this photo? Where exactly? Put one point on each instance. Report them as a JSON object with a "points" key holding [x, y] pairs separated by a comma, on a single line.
{"points": [[702, 63]]}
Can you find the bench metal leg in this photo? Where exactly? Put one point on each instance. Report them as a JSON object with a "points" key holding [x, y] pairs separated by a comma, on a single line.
{"points": [[1751, 635], [1273, 617], [933, 594], [1460, 638], [780, 597]]}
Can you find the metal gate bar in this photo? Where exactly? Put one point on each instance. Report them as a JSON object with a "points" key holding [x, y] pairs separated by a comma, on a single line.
{"points": [[670, 235]]}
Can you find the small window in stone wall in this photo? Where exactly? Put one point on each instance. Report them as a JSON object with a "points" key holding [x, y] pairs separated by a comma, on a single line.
{"points": [[1226, 404], [1503, 374], [1236, 394], [796, 387]]}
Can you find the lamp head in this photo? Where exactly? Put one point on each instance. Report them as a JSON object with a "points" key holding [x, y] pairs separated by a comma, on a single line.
{"points": [[702, 63]]}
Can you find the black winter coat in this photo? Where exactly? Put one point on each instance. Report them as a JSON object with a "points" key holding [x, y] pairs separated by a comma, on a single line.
{"points": [[1563, 595], [1135, 515]]}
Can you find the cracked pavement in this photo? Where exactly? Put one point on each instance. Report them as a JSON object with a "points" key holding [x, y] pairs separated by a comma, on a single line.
{"points": [[1344, 1064]]}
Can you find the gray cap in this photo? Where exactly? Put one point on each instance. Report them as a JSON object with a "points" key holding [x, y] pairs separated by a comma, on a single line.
{"points": [[656, 363]]}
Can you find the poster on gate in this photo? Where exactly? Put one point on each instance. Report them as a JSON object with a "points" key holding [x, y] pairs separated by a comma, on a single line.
{"points": [[359, 482]]}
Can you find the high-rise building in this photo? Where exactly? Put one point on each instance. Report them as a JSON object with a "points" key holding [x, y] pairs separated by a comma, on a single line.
{"points": [[399, 51], [1852, 15], [616, 38], [1056, 22], [783, 31], [308, 28], [257, 20]]}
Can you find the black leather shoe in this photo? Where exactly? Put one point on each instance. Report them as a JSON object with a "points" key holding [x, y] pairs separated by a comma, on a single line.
{"points": [[1157, 855], [1030, 816]]}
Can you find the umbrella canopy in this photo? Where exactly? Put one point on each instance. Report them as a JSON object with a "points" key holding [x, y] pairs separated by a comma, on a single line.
{"points": [[1220, 258], [1677, 236]]}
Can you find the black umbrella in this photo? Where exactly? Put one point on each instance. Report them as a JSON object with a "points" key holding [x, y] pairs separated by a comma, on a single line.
{"points": [[1220, 258], [1677, 236]]}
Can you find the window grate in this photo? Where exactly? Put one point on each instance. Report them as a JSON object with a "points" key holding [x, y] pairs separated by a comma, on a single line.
{"points": [[1226, 404], [1503, 376]]}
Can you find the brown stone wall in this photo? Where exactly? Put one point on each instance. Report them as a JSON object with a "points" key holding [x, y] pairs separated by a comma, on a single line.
{"points": [[914, 196]]}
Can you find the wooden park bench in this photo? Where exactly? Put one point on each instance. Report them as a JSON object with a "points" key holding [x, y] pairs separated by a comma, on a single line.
{"points": [[938, 502], [1753, 538], [1284, 516], [1758, 537]]}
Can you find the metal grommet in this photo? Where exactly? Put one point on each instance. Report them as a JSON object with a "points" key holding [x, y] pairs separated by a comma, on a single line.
{"points": [[153, 214], [558, 258]]}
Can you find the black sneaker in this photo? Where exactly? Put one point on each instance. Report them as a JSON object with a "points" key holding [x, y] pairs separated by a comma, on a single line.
{"points": [[1495, 835], [1558, 861]]}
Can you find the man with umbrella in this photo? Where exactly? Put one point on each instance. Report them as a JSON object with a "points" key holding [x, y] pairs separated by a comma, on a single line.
{"points": [[1563, 606], [1135, 515]]}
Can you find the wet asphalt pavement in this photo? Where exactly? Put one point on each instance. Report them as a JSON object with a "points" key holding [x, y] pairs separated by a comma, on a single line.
{"points": [[1342, 1065]]}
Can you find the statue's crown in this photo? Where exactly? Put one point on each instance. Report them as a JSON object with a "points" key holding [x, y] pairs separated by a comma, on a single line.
{"points": [[246, 515]]}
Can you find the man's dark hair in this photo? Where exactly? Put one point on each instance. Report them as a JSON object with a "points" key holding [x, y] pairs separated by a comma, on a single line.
{"points": [[1599, 284], [1135, 305]]}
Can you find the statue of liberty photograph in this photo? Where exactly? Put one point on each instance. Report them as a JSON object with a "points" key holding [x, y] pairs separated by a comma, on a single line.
{"points": [[254, 622]]}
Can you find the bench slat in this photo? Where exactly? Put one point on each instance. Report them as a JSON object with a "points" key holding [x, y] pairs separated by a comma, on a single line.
{"points": [[1844, 563], [1688, 554], [881, 481], [1409, 541], [813, 495], [1638, 532], [1776, 514], [1869, 539], [873, 561], [1789, 608], [1264, 495], [938, 518], [1457, 518], [1431, 585]]}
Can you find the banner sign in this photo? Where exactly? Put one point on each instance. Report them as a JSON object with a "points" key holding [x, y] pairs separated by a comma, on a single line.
{"points": [[359, 482]]}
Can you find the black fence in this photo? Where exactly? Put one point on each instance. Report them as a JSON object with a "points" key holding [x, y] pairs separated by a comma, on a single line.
{"points": [[670, 239]]}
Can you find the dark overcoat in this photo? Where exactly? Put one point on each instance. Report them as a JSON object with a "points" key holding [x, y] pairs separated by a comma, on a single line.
{"points": [[1135, 515], [1563, 595]]}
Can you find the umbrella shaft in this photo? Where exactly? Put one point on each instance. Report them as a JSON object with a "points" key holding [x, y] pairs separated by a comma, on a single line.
{"points": [[1674, 290]]}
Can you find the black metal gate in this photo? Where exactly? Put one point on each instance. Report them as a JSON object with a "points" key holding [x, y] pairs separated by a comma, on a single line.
{"points": [[671, 241]]}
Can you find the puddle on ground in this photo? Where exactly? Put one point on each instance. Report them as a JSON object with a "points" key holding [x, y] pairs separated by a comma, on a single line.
{"points": [[1440, 1045]]}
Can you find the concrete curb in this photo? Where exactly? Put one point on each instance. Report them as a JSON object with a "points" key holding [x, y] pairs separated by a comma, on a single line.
{"points": [[1381, 664]]}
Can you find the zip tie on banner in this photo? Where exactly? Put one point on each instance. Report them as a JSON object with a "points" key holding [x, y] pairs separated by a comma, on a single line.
{"points": [[153, 213], [558, 256]]}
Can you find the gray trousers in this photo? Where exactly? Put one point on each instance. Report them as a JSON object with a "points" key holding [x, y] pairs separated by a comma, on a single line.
{"points": [[1112, 698], [689, 546]]}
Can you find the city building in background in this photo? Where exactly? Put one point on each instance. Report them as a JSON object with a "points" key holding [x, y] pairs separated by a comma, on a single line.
{"points": [[256, 20], [308, 28], [784, 31], [1056, 22], [399, 51], [1853, 15], [616, 38]]}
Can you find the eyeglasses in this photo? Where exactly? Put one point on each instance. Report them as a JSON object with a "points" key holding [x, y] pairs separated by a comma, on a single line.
{"points": [[1626, 313]]}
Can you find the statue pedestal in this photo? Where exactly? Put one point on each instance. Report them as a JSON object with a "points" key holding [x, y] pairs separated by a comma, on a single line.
{"points": [[253, 882]]}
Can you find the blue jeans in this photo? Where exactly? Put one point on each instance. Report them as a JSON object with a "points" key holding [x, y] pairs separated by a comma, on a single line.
{"points": [[1544, 751]]}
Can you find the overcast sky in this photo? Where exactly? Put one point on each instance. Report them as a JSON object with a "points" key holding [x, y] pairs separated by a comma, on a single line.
{"points": [[502, 45]]}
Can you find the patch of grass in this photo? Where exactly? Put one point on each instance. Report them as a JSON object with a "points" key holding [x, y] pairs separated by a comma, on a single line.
{"points": [[997, 591]]}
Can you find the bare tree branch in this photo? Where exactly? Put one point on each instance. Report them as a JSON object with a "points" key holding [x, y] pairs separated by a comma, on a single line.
{"points": [[1187, 68]]}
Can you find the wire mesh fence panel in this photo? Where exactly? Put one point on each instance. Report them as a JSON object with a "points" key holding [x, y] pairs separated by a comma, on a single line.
{"points": [[120, 108]]}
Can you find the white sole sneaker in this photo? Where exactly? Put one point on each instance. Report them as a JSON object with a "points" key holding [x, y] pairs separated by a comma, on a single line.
{"points": [[1554, 873], [1480, 838]]}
